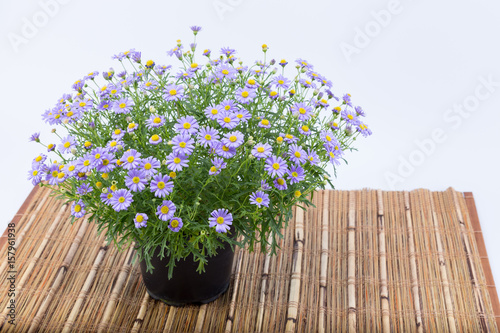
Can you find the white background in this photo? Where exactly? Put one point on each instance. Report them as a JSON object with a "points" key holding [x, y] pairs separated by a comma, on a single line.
{"points": [[408, 70]]}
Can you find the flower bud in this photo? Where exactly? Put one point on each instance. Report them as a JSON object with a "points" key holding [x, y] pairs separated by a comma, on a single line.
{"points": [[326, 177], [129, 119], [53, 130], [272, 62], [152, 109], [315, 92], [303, 70], [170, 143], [88, 173], [73, 151], [164, 162], [104, 190], [119, 147], [113, 182], [65, 121]]}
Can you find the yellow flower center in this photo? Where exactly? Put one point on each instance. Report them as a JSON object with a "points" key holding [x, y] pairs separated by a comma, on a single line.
{"points": [[220, 220], [186, 125], [118, 162], [160, 185], [131, 125], [280, 181], [335, 125], [148, 84], [213, 168], [279, 139], [35, 172], [214, 111], [67, 144], [139, 218], [98, 184], [147, 166], [174, 223], [194, 65], [233, 138], [289, 136], [104, 88], [82, 104], [225, 148], [265, 122], [281, 81], [208, 137], [155, 137], [227, 119], [86, 162], [260, 149], [273, 93], [71, 168], [350, 116], [297, 154], [305, 128], [337, 108], [110, 195], [105, 161], [363, 126], [136, 180], [244, 94], [118, 131], [130, 159], [113, 188], [122, 105], [323, 101], [295, 174], [182, 144], [172, 92], [302, 111], [54, 173], [225, 71], [165, 210], [336, 147], [332, 155], [258, 199], [157, 120], [276, 166], [251, 82], [172, 174], [121, 199], [297, 194], [77, 208], [38, 158], [113, 143], [227, 107], [69, 114], [177, 160], [328, 138]]}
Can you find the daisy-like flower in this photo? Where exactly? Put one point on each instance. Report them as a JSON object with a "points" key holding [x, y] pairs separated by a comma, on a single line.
{"points": [[346, 99], [155, 121], [264, 185], [262, 150], [155, 139], [106, 197], [52, 173], [84, 189], [225, 151], [227, 51], [208, 137], [173, 92], [183, 144], [131, 159], [281, 82], [218, 165], [280, 184], [333, 155], [51, 147], [350, 117], [304, 130], [176, 162], [296, 174], [283, 62], [307, 83], [123, 105], [175, 224], [207, 52], [221, 219], [108, 163], [324, 81], [84, 163], [302, 111], [132, 127], [97, 156], [304, 64], [37, 161], [225, 72], [297, 154], [260, 199], [166, 210], [35, 137], [252, 84], [118, 134], [121, 200], [136, 180], [289, 138], [78, 209], [212, 111], [67, 144], [233, 139], [243, 115], [363, 129], [140, 220], [161, 185], [150, 85], [359, 111], [244, 95], [149, 166], [91, 75], [36, 176], [228, 105], [276, 166], [187, 125], [312, 157], [264, 123], [227, 120], [104, 105], [161, 69]]}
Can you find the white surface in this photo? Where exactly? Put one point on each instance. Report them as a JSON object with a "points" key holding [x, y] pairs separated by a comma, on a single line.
{"points": [[427, 57]]}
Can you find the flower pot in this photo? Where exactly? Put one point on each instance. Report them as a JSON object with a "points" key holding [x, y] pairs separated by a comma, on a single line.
{"points": [[187, 286]]}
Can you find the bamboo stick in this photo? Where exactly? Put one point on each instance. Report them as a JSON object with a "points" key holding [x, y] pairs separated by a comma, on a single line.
{"points": [[442, 267], [232, 305], [201, 319], [472, 269], [384, 293], [117, 289], [170, 319], [61, 272], [324, 261], [263, 290], [298, 247], [413, 265], [85, 289], [142, 313], [351, 262]]}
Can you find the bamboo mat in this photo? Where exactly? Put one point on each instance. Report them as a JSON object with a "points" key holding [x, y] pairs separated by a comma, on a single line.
{"points": [[362, 261]]}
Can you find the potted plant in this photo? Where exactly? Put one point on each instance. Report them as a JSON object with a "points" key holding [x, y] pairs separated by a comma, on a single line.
{"points": [[187, 163]]}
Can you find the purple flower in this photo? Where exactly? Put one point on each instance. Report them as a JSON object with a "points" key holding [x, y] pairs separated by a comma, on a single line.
{"points": [[333, 155], [84, 189], [67, 144], [218, 165], [312, 157], [36, 176], [208, 136], [131, 127], [301, 110], [52, 173], [243, 115], [84, 163], [228, 105], [276, 166], [38, 160], [297, 154], [296, 174], [221, 219], [233, 139], [123, 105], [161, 69], [155, 139], [97, 156], [155, 121], [150, 85], [304, 64], [173, 93], [225, 151], [166, 210], [175, 224], [187, 125], [227, 120], [245, 95], [106, 197], [117, 134], [225, 71], [264, 123], [289, 138], [212, 112], [108, 163], [161, 185], [305, 130], [280, 184], [131, 159], [35, 137], [176, 162], [283, 62], [227, 51], [149, 166], [350, 117], [91, 75], [281, 82], [78, 209], [136, 180], [363, 129], [262, 150], [183, 144], [140, 220], [121, 200], [260, 199], [264, 185], [307, 83], [359, 111], [346, 99], [104, 105]]}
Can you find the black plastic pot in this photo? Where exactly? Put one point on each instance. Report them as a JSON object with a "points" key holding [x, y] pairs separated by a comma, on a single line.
{"points": [[187, 286]]}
